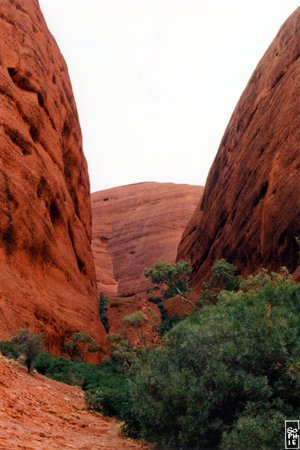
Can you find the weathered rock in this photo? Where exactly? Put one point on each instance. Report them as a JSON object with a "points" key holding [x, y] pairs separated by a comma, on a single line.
{"points": [[145, 333], [38, 413], [47, 276], [135, 226], [250, 209]]}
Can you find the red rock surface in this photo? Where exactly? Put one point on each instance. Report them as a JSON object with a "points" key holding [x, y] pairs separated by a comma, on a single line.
{"points": [[37, 413], [135, 226], [250, 210], [144, 334], [47, 276]]}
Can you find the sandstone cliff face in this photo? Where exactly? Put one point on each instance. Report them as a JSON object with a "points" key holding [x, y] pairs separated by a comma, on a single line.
{"points": [[250, 210], [135, 226], [47, 276]]}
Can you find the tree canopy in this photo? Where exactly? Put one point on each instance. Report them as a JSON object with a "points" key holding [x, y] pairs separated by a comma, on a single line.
{"points": [[171, 280], [227, 372], [29, 345]]}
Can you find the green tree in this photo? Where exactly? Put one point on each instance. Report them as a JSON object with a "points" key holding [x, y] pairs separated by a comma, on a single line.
{"points": [[29, 345], [224, 277], [171, 280], [122, 351], [230, 367], [79, 344]]}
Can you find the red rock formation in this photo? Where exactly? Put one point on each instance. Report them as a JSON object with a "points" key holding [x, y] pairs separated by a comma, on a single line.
{"points": [[250, 210], [38, 413], [144, 334], [47, 276], [135, 226]]}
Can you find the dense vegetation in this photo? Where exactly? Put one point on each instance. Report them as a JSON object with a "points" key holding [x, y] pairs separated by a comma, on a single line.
{"points": [[227, 376], [107, 388]]}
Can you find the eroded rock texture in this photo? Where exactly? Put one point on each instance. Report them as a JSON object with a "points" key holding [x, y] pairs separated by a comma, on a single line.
{"points": [[47, 275], [135, 226], [250, 210], [38, 413]]}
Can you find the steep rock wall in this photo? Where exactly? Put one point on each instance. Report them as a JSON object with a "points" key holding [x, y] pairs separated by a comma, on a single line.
{"points": [[47, 274], [135, 226], [250, 210]]}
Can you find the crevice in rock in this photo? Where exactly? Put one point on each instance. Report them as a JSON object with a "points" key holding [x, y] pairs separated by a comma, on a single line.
{"points": [[21, 81], [69, 163], [55, 214], [34, 133], [80, 263], [42, 187], [278, 78], [261, 194], [7, 19], [9, 237], [18, 140]]}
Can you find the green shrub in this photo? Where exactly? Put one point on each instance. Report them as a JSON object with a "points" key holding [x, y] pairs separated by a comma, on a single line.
{"points": [[263, 431], [62, 369], [135, 319], [224, 277], [107, 388], [167, 324], [29, 345], [110, 397], [79, 344], [227, 368], [102, 311], [123, 354], [170, 280], [8, 349]]}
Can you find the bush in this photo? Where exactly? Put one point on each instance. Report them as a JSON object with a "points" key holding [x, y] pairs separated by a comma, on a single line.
{"points": [[135, 319], [111, 396], [61, 369], [231, 367], [170, 280], [123, 354], [167, 324], [107, 388], [224, 277], [102, 311], [8, 349], [79, 344], [29, 345], [263, 431]]}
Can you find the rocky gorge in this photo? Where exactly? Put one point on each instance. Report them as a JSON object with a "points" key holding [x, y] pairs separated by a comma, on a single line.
{"points": [[61, 246]]}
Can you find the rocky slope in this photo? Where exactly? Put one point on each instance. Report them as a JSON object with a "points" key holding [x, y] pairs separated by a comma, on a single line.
{"points": [[135, 226], [144, 334], [38, 413], [47, 276], [250, 210]]}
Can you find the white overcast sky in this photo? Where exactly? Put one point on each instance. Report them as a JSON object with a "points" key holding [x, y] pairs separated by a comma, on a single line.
{"points": [[156, 81]]}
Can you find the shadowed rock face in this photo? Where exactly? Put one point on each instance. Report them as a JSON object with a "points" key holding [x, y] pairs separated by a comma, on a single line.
{"points": [[134, 227], [47, 276], [250, 210]]}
